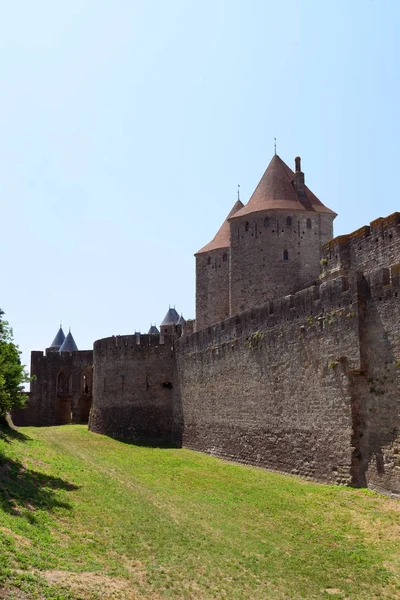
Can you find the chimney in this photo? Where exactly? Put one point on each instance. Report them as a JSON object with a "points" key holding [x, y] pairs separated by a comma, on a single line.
{"points": [[298, 179]]}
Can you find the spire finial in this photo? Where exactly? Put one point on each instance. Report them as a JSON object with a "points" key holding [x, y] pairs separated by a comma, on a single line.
{"points": [[275, 145], [238, 191]]}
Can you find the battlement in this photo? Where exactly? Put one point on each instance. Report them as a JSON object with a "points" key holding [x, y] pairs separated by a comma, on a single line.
{"points": [[133, 387], [384, 282], [370, 246], [135, 345], [311, 302], [65, 358]]}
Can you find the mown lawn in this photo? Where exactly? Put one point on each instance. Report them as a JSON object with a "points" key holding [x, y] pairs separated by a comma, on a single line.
{"points": [[84, 516]]}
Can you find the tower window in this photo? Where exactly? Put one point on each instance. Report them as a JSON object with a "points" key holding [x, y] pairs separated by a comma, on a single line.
{"points": [[289, 221], [285, 255], [225, 257], [246, 226], [309, 224], [209, 260], [266, 222]]}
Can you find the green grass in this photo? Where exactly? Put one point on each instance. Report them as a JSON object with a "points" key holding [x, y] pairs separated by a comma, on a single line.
{"points": [[84, 516]]}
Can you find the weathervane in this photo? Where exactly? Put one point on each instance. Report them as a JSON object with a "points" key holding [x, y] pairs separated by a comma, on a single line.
{"points": [[275, 145], [238, 191]]}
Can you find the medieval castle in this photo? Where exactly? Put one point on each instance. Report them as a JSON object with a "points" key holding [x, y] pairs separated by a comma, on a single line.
{"points": [[292, 363]]}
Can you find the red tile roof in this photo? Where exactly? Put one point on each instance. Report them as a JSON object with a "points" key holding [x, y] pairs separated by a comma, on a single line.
{"points": [[222, 237], [276, 191]]}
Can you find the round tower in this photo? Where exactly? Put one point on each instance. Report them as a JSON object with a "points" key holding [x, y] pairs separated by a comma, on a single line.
{"points": [[276, 238], [168, 324], [212, 276], [133, 388]]}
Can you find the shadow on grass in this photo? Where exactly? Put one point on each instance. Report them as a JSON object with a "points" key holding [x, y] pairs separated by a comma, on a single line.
{"points": [[8, 434], [23, 491], [145, 444]]}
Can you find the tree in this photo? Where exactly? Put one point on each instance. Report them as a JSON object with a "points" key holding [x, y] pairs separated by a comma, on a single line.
{"points": [[12, 373]]}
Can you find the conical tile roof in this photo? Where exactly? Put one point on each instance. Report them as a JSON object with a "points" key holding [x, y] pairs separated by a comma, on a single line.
{"points": [[68, 344], [181, 320], [276, 191], [58, 340], [222, 237], [153, 330], [171, 318]]}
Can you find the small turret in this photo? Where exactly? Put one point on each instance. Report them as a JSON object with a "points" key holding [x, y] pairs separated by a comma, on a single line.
{"points": [[179, 325], [68, 344], [57, 342], [169, 322], [212, 275], [153, 330]]}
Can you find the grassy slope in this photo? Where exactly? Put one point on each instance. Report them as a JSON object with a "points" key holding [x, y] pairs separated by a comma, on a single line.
{"points": [[85, 516]]}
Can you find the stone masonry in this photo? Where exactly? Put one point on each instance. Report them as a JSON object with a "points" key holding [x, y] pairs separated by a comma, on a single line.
{"points": [[293, 363]]}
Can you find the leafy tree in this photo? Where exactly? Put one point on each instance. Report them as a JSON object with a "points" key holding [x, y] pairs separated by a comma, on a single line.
{"points": [[12, 372]]}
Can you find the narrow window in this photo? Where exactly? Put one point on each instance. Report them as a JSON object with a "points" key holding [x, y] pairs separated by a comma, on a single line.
{"points": [[122, 381], [61, 384], [309, 224], [85, 385], [225, 257], [285, 255], [266, 222], [209, 260], [246, 226], [289, 221]]}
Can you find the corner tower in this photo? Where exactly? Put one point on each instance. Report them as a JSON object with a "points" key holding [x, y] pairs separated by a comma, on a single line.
{"points": [[212, 276], [276, 238]]}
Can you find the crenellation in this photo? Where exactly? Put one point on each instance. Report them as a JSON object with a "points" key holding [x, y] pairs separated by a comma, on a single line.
{"points": [[134, 388], [293, 362], [366, 248], [311, 301], [61, 391]]}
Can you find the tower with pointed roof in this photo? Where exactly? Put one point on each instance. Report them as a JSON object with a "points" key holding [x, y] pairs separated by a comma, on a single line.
{"points": [[69, 344], [169, 322], [212, 275], [276, 238], [57, 342]]}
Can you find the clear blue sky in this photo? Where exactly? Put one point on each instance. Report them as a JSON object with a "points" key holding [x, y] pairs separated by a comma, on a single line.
{"points": [[125, 127]]}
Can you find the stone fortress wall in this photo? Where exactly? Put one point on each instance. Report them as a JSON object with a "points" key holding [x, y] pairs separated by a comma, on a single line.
{"points": [[61, 390], [305, 384], [294, 362], [371, 246], [135, 388], [308, 383]]}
